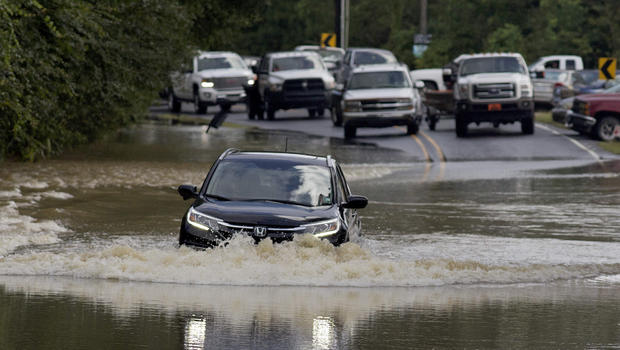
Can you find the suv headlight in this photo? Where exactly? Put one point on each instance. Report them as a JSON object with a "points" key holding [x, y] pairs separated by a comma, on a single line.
{"points": [[404, 104], [330, 84], [352, 106], [206, 83], [322, 228], [202, 221]]}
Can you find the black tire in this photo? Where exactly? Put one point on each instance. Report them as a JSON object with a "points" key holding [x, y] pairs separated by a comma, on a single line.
{"points": [[174, 105], [527, 126], [320, 112], [432, 120], [225, 107], [311, 112], [412, 128], [349, 132], [199, 106], [336, 115], [271, 112], [461, 125], [604, 128]]}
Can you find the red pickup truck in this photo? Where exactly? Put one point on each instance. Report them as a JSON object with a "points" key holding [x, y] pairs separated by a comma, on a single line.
{"points": [[597, 115]]}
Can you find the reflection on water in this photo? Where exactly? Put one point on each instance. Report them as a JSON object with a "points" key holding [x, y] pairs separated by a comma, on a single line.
{"points": [[195, 332], [323, 336]]}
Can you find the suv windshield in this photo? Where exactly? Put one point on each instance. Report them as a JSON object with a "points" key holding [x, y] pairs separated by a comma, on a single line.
{"points": [[296, 62], [370, 57], [378, 80], [491, 65], [223, 62], [272, 180]]}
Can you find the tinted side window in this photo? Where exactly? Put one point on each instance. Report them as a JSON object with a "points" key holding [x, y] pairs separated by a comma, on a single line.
{"points": [[264, 64], [555, 64], [570, 64]]}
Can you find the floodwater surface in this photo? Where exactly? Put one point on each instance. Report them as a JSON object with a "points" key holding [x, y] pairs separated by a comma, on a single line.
{"points": [[521, 254]]}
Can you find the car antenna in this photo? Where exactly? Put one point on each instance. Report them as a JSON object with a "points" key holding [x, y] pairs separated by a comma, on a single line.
{"points": [[285, 144]]}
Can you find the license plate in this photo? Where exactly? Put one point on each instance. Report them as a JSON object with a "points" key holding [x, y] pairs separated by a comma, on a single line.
{"points": [[495, 107]]}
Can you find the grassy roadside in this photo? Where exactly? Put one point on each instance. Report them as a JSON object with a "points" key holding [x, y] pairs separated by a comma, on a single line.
{"points": [[545, 117]]}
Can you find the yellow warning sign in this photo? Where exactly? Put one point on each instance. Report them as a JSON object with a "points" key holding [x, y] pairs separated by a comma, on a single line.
{"points": [[606, 68], [328, 39]]}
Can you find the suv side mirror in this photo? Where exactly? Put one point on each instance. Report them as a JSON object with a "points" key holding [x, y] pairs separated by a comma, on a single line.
{"points": [[188, 191], [356, 202], [255, 69], [419, 84]]}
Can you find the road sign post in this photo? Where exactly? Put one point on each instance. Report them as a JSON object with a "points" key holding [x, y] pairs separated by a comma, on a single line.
{"points": [[606, 68]]}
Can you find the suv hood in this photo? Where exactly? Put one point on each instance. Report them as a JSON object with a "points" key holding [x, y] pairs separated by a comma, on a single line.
{"points": [[224, 73], [378, 93], [265, 213], [486, 78], [300, 74], [599, 97]]}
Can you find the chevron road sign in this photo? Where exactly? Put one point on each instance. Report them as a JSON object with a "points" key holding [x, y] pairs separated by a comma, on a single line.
{"points": [[606, 68], [328, 39]]}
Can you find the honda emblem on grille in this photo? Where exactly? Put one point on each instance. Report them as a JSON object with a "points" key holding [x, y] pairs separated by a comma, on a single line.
{"points": [[260, 231], [304, 84]]}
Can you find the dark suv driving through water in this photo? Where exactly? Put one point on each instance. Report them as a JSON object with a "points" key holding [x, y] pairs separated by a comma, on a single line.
{"points": [[270, 195]]}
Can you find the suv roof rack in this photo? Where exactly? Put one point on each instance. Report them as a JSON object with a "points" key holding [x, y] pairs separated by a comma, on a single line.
{"points": [[227, 152]]}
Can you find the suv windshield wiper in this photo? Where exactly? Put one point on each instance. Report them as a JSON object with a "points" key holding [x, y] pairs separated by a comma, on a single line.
{"points": [[218, 197], [284, 201]]}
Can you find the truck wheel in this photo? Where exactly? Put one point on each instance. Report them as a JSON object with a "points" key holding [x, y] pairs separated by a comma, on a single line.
{"points": [[336, 115], [461, 126], [251, 110], [174, 105], [604, 128], [527, 126], [311, 112], [225, 107], [320, 112], [271, 112], [349, 132], [199, 106], [412, 128], [432, 121]]}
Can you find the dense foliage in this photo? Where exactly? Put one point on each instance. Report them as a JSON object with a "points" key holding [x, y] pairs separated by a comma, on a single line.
{"points": [[71, 70]]}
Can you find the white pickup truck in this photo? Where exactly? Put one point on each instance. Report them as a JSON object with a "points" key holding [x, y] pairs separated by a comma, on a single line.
{"points": [[494, 88], [212, 78]]}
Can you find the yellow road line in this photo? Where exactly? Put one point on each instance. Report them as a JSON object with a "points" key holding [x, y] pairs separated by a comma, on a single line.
{"points": [[426, 155], [442, 157]]}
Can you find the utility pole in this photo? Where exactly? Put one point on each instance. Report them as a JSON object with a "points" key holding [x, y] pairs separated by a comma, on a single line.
{"points": [[337, 11], [423, 6], [342, 22]]}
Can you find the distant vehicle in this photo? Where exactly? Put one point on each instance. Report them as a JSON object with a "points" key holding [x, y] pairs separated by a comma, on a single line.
{"points": [[293, 79], [437, 100], [545, 83], [572, 83], [378, 96], [431, 77], [211, 78], [358, 56], [563, 62], [559, 112], [597, 115], [332, 56], [251, 61], [494, 88], [273, 196]]}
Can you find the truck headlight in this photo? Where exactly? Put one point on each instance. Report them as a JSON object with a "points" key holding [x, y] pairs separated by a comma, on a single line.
{"points": [[205, 83], [330, 84], [322, 228], [250, 82], [463, 90], [202, 221], [526, 91], [275, 84], [352, 106]]}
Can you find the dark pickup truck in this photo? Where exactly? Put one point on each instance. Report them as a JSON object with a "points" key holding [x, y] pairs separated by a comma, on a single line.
{"points": [[597, 115]]}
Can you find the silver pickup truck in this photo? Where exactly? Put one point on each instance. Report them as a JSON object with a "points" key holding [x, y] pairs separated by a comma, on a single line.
{"points": [[212, 78]]}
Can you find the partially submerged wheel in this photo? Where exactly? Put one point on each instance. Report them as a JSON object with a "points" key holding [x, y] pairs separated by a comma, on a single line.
{"points": [[336, 115], [199, 106], [527, 126], [412, 128]]}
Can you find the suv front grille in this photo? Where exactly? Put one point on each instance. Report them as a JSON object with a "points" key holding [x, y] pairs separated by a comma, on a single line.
{"points": [[230, 83], [494, 91], [579, 107], [227, 230]]}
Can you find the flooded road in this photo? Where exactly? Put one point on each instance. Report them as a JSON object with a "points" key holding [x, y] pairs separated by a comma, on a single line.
{"points": [[479, 254]]}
